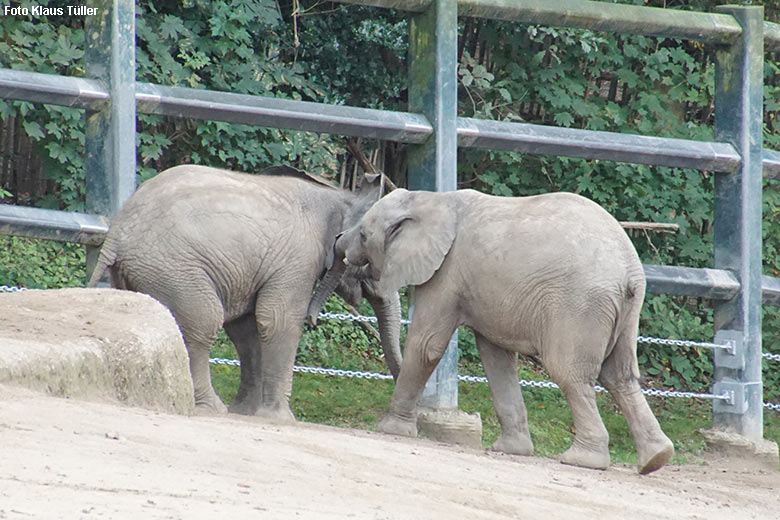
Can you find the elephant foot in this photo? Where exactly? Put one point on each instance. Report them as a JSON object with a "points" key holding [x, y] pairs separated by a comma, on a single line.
{"points": [[586, 457], [394, 425], [654, 455], [213, 406], [515, 444], [276, 414], [243, 406]]}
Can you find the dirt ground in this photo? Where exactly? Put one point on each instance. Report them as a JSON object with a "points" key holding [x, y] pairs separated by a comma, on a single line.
{"points": [[63, 458]]}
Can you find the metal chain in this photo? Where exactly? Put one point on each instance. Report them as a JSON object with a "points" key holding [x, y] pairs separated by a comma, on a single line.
{"points": [[482, 379], [646, 391], [354, 317], [771, 357], [680, 342], [772, 406], [9, 289]]}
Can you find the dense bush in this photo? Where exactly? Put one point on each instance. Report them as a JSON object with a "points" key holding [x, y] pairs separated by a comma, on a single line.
{"points": [[334, 53]]}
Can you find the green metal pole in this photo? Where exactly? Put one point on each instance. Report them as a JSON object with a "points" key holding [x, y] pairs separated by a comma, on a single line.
{"points": [[737, 231], [433, 165], [110, 131]]}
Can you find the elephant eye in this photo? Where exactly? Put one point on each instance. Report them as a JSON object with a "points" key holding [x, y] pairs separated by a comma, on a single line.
{"points": [[362, 238]]}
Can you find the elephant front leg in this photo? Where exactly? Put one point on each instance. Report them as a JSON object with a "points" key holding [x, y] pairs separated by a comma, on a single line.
{"points": [[501, 370], [424, 349]]}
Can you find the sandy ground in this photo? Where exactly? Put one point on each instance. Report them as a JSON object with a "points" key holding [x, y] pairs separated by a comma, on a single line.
{"points": [[62, 458]]}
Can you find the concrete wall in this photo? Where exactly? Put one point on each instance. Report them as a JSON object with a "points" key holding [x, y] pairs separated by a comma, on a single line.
{"points": [[99, 344]]}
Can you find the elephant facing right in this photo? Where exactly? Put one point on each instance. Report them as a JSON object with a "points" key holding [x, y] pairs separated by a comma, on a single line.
{"points": [[551, 276]]}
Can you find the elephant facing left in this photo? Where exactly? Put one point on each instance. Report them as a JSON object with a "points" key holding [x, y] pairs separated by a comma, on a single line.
{"points": [[225, 249]]}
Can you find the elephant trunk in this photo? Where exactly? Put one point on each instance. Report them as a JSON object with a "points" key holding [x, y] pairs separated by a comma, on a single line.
{"points": [[327, 285], [387, 309]]}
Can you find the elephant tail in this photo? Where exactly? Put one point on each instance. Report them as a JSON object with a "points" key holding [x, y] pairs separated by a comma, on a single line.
{"points": [[106, 259], [627, 326]]}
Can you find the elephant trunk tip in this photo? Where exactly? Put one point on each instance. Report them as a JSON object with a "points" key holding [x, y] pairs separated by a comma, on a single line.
{"points": [[311, 319]]}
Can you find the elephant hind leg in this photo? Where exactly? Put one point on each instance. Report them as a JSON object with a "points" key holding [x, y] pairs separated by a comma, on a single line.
{"points": [[243, 333], [574, 366], [199, 323], [501, 370], [654, 449]]}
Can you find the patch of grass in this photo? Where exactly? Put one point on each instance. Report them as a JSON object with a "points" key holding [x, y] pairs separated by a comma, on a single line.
{"points": [[361, 403]]}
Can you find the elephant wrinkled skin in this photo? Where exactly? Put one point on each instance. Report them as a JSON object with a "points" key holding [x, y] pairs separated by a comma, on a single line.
{"points": [[551, 276], [221, 248]]}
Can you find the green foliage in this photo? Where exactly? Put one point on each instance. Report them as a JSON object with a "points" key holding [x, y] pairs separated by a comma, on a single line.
{"points": [[58, 132], [345, 345], [239, 46], [676, 367], [357, 53], [41, 264]]}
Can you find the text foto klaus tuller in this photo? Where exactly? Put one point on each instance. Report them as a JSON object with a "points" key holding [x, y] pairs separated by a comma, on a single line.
{"points": [[39, 10]]}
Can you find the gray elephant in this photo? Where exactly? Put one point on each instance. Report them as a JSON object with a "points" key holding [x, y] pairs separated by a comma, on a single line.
{"points": [[221, 248], [551, 276]]}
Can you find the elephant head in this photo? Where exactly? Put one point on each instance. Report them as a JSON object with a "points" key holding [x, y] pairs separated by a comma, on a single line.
{"points": [[352, 283], [346, 282], [402, 240]]}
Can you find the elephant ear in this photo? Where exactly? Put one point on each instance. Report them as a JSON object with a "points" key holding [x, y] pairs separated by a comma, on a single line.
{"points": [[418, 233]]}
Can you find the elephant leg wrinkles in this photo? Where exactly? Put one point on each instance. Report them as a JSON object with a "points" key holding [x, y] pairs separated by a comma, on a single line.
{"points": [[501, 370], [199, 323], [280, 313], [576, 375], [243, 333], [424, 348]]}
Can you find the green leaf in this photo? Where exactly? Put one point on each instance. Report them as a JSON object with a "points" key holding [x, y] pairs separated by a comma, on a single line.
{"points": [[33, 129], [563, 119]]}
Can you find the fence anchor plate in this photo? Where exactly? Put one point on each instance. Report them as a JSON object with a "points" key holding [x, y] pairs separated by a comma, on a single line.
{"points": [[734, 356]]}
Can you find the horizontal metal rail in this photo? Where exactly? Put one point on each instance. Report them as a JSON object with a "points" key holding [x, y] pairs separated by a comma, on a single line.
{"points": [[282, 113], [52, 224], [601, 16], [383, 124], [36, 87], [713, 28], [771, 163], [771, 37], [590, 144], [717, 284], [770, 290]]}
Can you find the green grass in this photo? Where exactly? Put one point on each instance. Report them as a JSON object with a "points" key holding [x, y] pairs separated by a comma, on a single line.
{"points": [[360, 403]]}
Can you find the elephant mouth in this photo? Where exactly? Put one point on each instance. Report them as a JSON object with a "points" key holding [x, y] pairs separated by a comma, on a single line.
{"points": [[363, 268]]}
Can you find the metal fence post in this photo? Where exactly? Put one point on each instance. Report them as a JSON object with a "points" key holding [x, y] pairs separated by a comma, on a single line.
{"points": [[433, 165], [737, 230], [110, 132]]}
